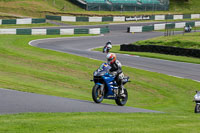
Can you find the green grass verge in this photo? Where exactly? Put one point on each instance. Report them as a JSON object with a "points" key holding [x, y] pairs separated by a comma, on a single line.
{"points": [[39, 8], [31, 69], [99, 123], [26, 25], [189, 40]]}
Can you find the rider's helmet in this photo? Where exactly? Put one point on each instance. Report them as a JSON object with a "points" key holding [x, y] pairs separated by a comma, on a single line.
{"points": [[109, 42], [111, 58]]}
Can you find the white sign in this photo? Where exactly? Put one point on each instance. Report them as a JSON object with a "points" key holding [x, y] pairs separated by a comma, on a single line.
{"points": [[136, 18]]}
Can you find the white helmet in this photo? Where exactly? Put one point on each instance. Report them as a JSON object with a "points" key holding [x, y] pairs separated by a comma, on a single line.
{"points": [[111, 58]]}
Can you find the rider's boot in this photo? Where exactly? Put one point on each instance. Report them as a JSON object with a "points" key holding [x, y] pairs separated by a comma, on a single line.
{"points": [[121, 91]]}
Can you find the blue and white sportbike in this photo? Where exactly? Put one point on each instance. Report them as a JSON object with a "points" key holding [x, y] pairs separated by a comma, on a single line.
{"points": [[106, 87]]}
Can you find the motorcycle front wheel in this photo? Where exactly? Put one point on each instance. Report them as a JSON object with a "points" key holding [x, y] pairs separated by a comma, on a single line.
{"points": [[197, 108], [97, 94], [121, 101]]}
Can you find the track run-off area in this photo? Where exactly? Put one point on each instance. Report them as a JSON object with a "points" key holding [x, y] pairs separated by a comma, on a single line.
{"points": [[16, 102]]}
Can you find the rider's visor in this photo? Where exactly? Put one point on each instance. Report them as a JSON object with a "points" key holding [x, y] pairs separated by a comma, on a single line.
{"points": [[109, 60]]}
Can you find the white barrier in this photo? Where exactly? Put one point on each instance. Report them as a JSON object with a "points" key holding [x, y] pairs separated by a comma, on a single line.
{"points": [[8, 31], [68, 18], [24, 21], [95, 19], [118, 19], [178, 17], [159, 17], [66, 31], [159, 26], [194, 16], [0, 21], [136, 29], [197, 23], [95, 31], [39, 31], [180, 25]]}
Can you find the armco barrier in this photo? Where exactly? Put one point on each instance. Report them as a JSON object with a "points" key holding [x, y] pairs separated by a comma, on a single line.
{"points": [[161, 49], [82, 19], [49, 17], [147, 28], [95, 31], [8, 31], [54, 31], [104, 30], [22, 21], [162, 26], [39, 20], [122, 18], [23, 31], [9, 21], [107, 19], [81, 31]]}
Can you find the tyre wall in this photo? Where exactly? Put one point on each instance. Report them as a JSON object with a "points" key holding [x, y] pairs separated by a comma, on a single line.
{"points": [[161, 49]]}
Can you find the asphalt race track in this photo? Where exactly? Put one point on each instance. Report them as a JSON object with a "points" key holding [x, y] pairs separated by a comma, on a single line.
{"points": [[12, 101], [16, 102]]}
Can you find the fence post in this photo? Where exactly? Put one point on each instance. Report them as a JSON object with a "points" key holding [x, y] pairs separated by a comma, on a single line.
{"points": [[122, 8]]}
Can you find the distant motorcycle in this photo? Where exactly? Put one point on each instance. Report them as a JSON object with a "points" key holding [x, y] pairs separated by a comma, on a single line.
{"points": [[106, 87], [188, 29], [197, 100], [107, 48]]}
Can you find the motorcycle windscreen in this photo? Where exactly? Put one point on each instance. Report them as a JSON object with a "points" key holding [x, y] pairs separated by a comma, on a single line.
{"points": [[104, 67]]}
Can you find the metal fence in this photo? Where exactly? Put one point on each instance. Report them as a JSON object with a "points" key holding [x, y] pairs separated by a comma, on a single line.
{"points": [[162, 6]]}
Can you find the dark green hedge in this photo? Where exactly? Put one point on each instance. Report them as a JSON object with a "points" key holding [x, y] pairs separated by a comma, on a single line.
{"points": [[161, 49]]}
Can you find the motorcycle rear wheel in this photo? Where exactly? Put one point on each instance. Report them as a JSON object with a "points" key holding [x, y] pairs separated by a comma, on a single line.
{"points": [[97, 95], [197, 108], [121, 101]]}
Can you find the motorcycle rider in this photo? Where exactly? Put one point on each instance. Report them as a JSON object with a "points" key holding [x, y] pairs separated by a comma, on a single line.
{"points": [[116, 70], [107, 47], [188, 28]]}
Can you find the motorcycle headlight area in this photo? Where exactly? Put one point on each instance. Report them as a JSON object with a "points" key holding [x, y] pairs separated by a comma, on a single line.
{"points": [[197, 97]]}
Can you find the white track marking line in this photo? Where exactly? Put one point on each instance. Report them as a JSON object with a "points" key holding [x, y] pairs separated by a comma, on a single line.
{"points": [[65, 38]]}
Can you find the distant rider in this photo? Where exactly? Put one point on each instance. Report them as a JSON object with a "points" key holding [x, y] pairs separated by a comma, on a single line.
{"points": [[107, 47], [188, 28], [116, 70]]}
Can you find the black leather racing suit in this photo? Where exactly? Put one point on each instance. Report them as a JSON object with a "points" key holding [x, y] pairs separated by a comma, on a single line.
{"points": [[107, 47], [116, 69]]}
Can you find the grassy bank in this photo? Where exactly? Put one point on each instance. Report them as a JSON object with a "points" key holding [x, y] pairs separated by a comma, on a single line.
{"points": [[36, 8], [39, 8], [188, 40]]}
